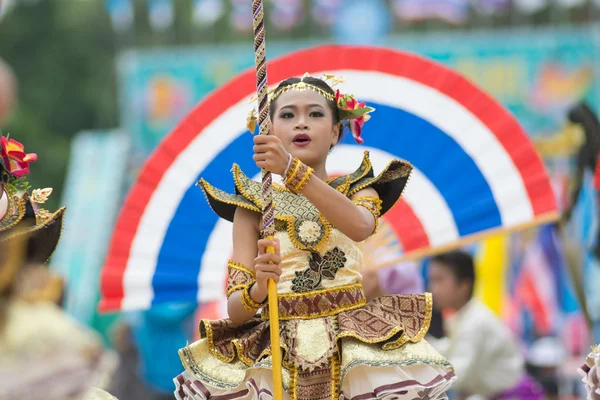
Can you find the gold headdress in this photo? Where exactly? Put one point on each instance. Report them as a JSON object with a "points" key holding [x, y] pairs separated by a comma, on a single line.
{"points": [[20, 213], [354, 113]]}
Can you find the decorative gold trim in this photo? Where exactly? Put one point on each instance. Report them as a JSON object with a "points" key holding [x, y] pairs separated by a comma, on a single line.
{"points": [[13, 202], [285, 315], [235, 289], [334, 384], [60, 213], [366, 162], [208, 190], [373, 205], [298, 176], [241, 267], [293, 392], [234, 345], [248, 302], [302, 86], [376, 179], [245, 280], [368, 167], [240, 187]]}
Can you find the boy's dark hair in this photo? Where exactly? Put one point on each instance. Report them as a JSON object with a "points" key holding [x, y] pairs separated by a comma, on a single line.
{"points": [[461, 264]]}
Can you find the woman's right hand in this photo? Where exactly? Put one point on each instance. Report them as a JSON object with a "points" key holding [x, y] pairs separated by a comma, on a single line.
{"points": [[267, 266]]}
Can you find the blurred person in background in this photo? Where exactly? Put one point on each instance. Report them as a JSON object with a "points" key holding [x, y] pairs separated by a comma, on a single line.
{"points": [[486, 357], [543, 362], [127, 382], [402, 278]]}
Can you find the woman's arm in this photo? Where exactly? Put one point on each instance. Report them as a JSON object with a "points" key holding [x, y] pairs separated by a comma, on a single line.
{"points": [[354, 221], [246, 246]]}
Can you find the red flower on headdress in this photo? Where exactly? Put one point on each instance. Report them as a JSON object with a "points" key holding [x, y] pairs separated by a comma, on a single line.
{"points": [[14, 158], [357, 113]]}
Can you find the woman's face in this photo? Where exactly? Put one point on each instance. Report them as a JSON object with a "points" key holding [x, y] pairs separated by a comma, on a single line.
{"points": [[303, 121]]}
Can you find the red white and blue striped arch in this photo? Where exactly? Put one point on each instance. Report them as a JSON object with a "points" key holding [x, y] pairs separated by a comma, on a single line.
{"points": [[476, 172]]}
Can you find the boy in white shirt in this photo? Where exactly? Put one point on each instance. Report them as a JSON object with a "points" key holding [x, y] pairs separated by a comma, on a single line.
{"points": [[485, 355]]}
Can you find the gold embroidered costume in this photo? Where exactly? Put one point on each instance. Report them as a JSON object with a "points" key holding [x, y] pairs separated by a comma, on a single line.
{"points": [[334, 344]]}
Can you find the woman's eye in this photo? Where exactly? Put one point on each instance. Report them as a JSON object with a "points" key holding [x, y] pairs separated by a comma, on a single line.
{"points": [[317, 114], [286, 115]]}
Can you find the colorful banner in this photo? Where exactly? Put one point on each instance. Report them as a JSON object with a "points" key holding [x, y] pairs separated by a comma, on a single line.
{"points": [[169, 245]]}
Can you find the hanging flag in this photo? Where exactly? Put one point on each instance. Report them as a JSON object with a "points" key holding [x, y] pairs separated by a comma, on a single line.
{"points": [[324, 12], [241, 15], [161, 14], [286, 14], [491, 273], [530, 6], [121, 14], [451, 11], [207, 12]]}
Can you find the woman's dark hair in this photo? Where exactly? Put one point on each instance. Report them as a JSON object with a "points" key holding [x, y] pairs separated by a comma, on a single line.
{"points": [[321, 84]]}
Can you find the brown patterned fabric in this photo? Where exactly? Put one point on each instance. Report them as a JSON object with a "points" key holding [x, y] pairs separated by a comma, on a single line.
{"points": [[390, 321], [314, 385], [228, 341], [319, 304], [239, 276]]}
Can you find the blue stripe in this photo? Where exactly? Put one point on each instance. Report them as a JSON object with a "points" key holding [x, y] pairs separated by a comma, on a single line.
{"points": [[395, 131], [441, 160]]}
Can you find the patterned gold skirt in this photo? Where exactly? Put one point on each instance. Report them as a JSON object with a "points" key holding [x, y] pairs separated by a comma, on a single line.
{"points": [[376, 351]]}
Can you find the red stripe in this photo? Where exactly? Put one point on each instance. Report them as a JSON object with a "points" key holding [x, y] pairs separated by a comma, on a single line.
{"points": [[408, 227], [597, 175], [492, 114]]}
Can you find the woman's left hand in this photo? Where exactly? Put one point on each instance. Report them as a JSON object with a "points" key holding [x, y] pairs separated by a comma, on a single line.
{"points": [[270, 154]]}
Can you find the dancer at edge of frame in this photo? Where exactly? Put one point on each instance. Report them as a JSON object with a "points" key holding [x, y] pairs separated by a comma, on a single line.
{"points": [[335, 344], [590, 373], [44, 352]]}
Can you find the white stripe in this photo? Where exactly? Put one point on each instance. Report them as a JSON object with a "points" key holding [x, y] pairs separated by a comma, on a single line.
{"points": [[137, 281], [421, 195], [437, 108]]}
